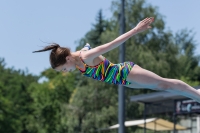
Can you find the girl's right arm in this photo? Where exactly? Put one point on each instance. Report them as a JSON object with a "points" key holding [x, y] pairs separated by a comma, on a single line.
{"points": [[95, 52]]}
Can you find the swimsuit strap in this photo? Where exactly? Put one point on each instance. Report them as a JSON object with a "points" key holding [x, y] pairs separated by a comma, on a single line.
{"points": [[82, 62], [81, 58]]}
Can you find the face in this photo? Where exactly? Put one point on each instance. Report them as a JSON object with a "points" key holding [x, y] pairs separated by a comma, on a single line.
{"points": [[69, 66]]}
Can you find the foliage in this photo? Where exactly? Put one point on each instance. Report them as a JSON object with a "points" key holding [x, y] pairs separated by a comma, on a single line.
{"points": [[49, 102], [14, 99]]}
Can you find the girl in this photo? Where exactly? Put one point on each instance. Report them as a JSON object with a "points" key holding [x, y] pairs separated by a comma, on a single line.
{"points": [[92, 64]]}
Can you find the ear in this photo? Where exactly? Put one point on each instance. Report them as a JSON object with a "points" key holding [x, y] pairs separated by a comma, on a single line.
{"points": [[67, 58]]}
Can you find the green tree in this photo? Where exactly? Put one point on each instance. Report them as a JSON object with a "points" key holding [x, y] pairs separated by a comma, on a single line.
{"points": [[50, 100], [188, 61], [14, 99], [93, 37]]}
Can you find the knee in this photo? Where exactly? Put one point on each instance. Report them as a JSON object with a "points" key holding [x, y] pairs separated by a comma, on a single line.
{"points": [[163, 86], [168, 84]]}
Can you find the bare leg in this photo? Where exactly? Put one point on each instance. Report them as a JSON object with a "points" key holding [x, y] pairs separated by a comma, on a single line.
{"points": [[150, 80]]}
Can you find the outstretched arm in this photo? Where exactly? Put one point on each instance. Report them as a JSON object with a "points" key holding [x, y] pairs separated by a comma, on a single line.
{"points": [[95, 52]]}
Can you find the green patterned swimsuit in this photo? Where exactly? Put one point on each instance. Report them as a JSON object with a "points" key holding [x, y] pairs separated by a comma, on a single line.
{"points": [[108, 72]]}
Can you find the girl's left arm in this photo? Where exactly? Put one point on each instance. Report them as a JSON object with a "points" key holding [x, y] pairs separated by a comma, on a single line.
{"points": [[95, 52]]}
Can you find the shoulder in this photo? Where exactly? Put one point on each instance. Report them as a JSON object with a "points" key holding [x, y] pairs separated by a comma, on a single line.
{"points": [[91, 61], [83, 55], [84, 52]]}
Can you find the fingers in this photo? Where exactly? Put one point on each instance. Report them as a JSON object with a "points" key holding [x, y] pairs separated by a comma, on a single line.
{"points": [[148, 20], [144, 24], [151, 19], [144, 20]]}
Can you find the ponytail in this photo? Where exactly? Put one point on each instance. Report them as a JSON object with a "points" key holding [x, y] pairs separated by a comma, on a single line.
{"points": [[57, 55], [54, 46]]}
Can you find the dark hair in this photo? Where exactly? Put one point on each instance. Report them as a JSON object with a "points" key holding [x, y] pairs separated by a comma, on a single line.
{"points": [[58, 54]]}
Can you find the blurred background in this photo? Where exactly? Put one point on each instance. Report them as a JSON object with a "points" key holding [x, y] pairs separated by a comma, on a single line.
{"points": [[36, 99]]}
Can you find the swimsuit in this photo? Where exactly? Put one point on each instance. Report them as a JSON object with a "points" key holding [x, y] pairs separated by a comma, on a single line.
{"points": [[108, 72]]}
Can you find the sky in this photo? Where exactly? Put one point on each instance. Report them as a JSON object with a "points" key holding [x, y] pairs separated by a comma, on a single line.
{"points": [[26, 25]]}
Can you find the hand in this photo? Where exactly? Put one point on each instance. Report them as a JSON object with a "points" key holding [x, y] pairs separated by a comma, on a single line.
{"points": [[144, 24]]}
